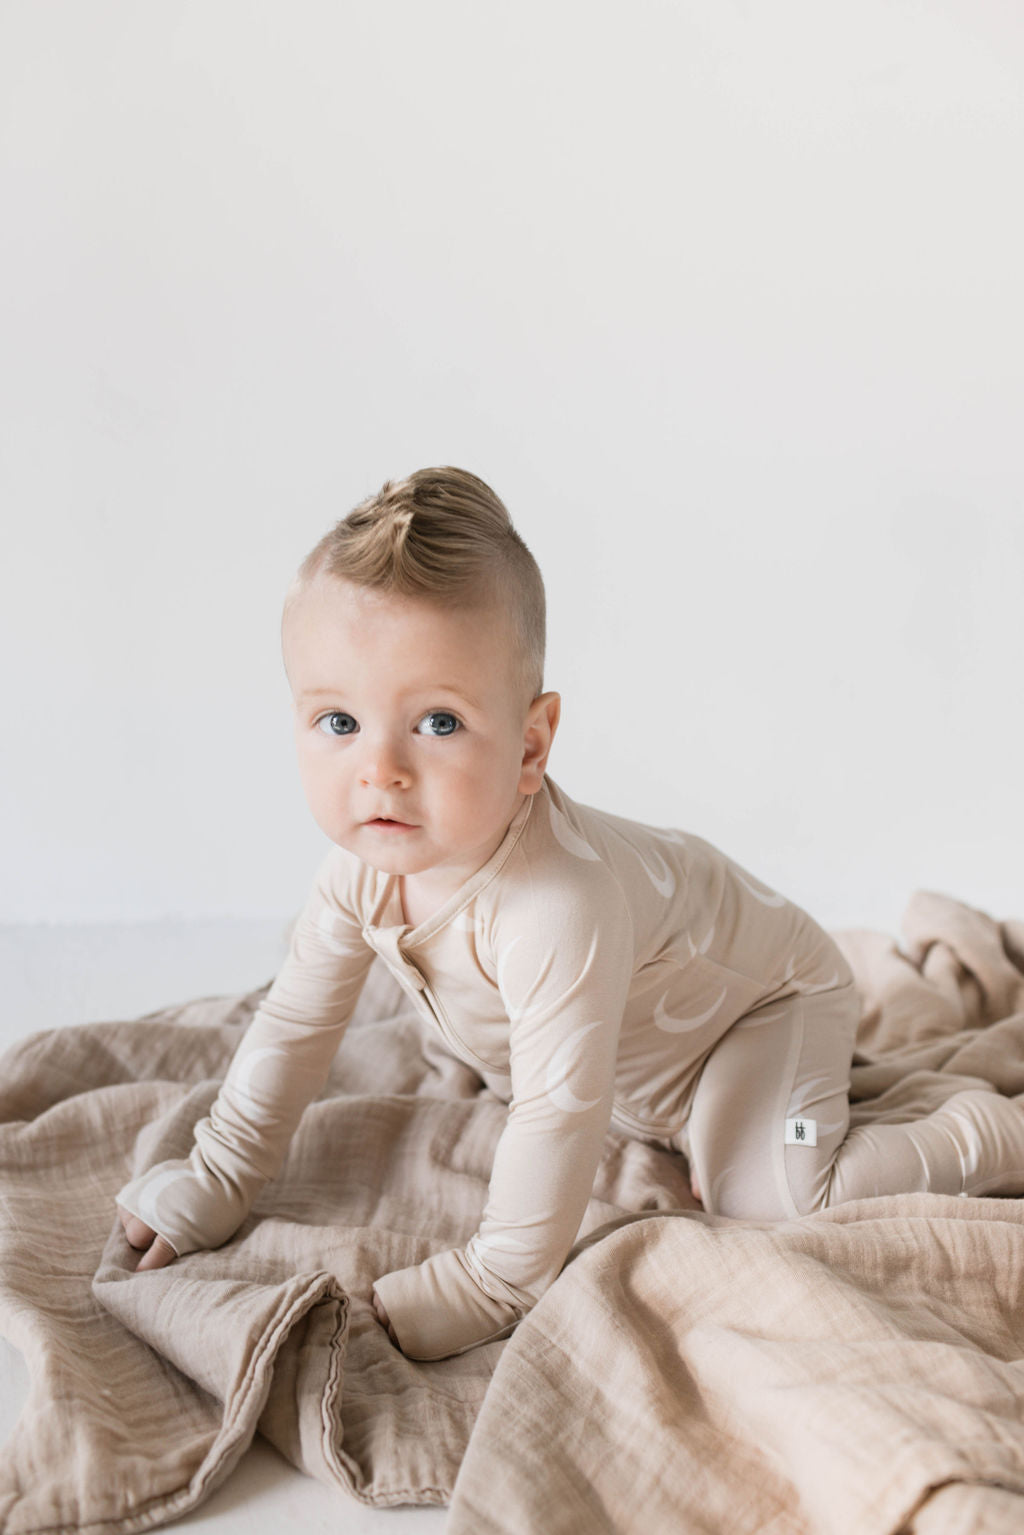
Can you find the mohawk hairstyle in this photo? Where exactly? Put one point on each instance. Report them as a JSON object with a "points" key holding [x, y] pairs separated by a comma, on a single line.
{"points": [[441, 534]]}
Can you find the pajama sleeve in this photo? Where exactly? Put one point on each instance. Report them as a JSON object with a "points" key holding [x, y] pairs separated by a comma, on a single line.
{"points": [[564, 976], [280, 1066]]}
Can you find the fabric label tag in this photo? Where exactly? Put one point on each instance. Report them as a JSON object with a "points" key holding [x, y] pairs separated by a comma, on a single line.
{"points": [[801, 1132]]}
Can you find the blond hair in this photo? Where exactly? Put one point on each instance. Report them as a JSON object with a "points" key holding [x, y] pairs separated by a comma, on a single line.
{"points": [[443, 535]]}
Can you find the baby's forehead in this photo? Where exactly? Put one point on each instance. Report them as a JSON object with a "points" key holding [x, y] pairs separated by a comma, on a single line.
{"points": [[326, 597], [328, 618]]}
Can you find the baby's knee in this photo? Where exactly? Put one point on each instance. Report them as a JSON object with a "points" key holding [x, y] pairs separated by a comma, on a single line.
{"points": [[773, 1193]]}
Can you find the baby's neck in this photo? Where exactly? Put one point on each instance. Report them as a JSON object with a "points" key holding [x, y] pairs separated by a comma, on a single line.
{"points": [[419, 904], [421, 896]]}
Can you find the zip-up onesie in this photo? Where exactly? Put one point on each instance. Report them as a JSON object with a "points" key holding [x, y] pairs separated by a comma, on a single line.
{"points": [[595, 971]]}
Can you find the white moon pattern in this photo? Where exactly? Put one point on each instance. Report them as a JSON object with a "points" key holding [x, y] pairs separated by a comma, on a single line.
{"points": [[558, 1089], [824, 1129], [705, 945], [670, 1025], [809, 991], [804, 988], [570, 839], [804, 1103], [809, 1094], [239, 1080], [767, 898], [148, 1200], [665, 882]]}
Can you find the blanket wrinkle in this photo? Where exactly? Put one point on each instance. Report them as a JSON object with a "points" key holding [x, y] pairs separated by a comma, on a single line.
{"points": [[958, 969], [859, 1372]]}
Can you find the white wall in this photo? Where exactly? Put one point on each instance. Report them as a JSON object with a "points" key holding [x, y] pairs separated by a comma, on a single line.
{"points": [[723, 299]]}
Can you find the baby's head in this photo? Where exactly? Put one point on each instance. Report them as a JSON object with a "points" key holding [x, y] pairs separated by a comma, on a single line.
{"points": [[442, 536], [413, 638]]}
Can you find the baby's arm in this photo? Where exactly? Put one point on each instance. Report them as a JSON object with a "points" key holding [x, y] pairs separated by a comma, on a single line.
{"points": [[565, 992], [281, 1064]]}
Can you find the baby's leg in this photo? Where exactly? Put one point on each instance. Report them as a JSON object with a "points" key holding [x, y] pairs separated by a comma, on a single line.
{"points": [[769, 1137], [772, 1107]]}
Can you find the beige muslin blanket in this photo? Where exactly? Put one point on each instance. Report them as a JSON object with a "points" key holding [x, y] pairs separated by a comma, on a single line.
{"points": [[856, 1371]]}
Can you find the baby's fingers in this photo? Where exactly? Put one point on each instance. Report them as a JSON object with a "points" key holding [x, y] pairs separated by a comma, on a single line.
{"points": [[160, 1254], [139, 1235], [380, 1311]]}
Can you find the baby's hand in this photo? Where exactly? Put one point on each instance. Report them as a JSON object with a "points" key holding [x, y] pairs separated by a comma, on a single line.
{"points": [[382, 1317], [158, 1251]]}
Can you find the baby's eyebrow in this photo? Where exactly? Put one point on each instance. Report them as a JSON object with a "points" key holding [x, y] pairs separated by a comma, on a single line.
{"points": [[450, 688], [456, 692]]}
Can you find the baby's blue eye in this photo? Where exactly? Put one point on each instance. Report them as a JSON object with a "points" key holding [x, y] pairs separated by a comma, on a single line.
{"points": [[438, 723], [338, 724]]}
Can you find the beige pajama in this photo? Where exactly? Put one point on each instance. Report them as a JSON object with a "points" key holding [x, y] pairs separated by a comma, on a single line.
{"points": [[785, 1061], [596, 971]]}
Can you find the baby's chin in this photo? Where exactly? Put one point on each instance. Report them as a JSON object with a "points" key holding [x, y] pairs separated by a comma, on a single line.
{"points": [[390, 848]]}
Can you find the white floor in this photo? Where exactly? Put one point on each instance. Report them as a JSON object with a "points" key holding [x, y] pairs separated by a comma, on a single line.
{"points": [[56, 975]]}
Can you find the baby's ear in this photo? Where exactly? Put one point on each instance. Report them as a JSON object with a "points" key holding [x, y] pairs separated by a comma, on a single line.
{"points": [[538, 733]]}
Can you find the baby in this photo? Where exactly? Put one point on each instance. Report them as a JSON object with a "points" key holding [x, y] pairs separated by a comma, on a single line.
{"points": [[593, 970]]}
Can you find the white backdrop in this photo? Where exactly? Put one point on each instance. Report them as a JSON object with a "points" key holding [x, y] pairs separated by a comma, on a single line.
{"points": [[723, 299]]}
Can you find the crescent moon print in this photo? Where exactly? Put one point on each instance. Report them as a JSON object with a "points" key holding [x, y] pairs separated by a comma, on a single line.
{"points": [[239, 1079], [148, 1201], [670, 1025], [830, 1129], [809, 1095], [766, 898], [805, 1102], [824, 1129], [558, 1089], [663, 883], [803, 987], [809, 991], [570, 839], [705, 944]]}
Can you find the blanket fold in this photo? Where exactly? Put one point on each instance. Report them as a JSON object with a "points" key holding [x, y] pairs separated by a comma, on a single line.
{"points": [[854, 1372], [814, 1375]]}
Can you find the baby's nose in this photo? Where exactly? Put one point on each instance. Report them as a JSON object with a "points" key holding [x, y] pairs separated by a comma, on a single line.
{"points": [[383, 766]]}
